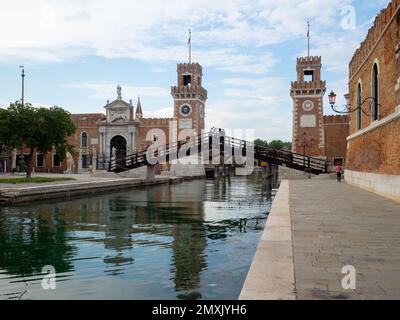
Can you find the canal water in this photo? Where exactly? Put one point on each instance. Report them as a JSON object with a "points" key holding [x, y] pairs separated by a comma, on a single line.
{"points": [[193, 240]]}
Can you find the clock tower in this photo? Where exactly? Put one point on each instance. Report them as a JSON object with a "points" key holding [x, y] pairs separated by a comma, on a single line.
{"points": [[308, 118], [189, 98]]}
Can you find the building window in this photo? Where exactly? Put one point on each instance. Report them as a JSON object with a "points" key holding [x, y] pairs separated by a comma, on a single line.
{"points": [[375, 93], [359, 111], [309, 75], [187, 79], [84, 140], [85, 162], [39, 161], [155, 138], [56, 160]]}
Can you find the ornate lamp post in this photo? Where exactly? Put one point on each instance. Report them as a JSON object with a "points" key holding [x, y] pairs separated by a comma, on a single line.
{"points": [[347, 109], [305, 144]]}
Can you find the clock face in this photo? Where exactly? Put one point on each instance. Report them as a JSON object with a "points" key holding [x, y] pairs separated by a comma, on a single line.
{"points": [[308, 105], [186, 110]]}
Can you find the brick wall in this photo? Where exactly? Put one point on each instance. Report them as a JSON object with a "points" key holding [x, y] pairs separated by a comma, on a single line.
{"points": [[157, 126], [377, 151], [336, 131]]}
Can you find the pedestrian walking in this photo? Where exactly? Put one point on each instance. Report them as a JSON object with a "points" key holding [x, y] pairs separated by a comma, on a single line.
{"points": [[339, 172]]}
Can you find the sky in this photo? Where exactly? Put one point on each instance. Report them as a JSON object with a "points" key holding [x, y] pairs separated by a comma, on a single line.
{"points": [[76, 52]]}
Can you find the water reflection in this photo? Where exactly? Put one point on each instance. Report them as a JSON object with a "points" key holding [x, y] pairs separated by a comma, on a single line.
{"points": [[194, 240]]}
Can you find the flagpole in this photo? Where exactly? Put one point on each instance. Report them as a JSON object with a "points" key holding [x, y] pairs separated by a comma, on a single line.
{"points": [[308, 37], [190, 46]]}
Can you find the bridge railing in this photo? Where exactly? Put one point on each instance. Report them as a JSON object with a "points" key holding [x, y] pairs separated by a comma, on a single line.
{"points": [[228, 146]]}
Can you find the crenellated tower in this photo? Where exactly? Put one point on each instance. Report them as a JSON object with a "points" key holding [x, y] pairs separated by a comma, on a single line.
{"points": [[189, 98], [308, 117]]}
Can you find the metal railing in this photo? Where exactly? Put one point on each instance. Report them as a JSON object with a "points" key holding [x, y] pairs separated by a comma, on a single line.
{"points": [[207, 143]]}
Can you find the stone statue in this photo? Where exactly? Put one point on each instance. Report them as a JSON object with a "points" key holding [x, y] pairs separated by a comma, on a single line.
{"points": [[114, 152], [70, 162], [119, 92]]}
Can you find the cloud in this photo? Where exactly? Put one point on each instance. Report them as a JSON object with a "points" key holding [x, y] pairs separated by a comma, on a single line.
{"points": [[107, 91], [246, 47], [157, 32]]}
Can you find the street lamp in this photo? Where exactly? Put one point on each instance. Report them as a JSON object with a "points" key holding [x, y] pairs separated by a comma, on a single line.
{"points": [[347, 109], [305, 144], [23, 83]]}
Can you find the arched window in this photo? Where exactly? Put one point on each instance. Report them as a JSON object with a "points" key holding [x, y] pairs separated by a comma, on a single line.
{"points": [[359, 111], [375, 93], [84, 140]]}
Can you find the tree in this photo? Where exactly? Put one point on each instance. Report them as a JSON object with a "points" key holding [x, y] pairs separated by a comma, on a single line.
{"points": [[38, 129], [287, 145], [261, 142], [276, 144]]}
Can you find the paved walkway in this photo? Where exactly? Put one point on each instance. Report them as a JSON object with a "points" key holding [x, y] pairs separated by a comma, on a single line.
{"points": [[78, 179], [82, 185], [334, 225]]}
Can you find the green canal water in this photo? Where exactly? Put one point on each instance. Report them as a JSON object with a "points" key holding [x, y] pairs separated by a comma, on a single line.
{"points": [[193, 240]]}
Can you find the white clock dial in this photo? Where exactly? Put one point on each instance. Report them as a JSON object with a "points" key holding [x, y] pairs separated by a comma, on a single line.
{"points": [[308, 105]]}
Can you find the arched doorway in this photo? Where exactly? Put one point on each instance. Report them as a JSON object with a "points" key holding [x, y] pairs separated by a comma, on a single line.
{"points": [[119, 143]]}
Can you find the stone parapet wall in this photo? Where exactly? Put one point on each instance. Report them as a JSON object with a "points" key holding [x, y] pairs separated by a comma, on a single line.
{"points": [[384, 185]]}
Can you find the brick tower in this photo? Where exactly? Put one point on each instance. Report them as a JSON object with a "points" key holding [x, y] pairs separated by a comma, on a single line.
{"points": [[308, 119], [189, 98]]}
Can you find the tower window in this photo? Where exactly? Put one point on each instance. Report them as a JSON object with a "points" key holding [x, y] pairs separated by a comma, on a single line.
{"points": [[309, 75], [187, 79]]}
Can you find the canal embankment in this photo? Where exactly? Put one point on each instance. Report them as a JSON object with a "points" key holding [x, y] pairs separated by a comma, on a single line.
{"points": [[271, 274], [82, 185], [326, 240]]}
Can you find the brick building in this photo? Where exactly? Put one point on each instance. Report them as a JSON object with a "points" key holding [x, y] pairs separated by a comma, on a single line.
{"points": [[373, 155], [313, 133], [123, 130]]}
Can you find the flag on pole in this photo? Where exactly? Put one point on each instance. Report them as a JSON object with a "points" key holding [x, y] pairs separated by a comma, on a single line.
{"points": [[190, 37]]}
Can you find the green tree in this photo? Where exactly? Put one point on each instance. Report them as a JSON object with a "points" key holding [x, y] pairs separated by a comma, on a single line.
{"points": [[38, 129], [276, 144], [287, 145], [261, 142]]}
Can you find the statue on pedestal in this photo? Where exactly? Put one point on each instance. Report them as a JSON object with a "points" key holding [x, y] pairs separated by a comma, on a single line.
{"points": [[70, 163]]}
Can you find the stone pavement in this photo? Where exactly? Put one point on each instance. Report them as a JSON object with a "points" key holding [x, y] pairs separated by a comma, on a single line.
{"points": [[83, 185], [334, 225]]}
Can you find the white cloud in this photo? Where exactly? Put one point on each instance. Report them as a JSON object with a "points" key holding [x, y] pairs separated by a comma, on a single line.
{"points": [[161, 113], [156, 31], [241, 37], [108, 91]]}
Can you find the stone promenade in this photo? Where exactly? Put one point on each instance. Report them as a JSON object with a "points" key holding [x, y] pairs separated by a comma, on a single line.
{"points": [[84, 184], [332, 225]]}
